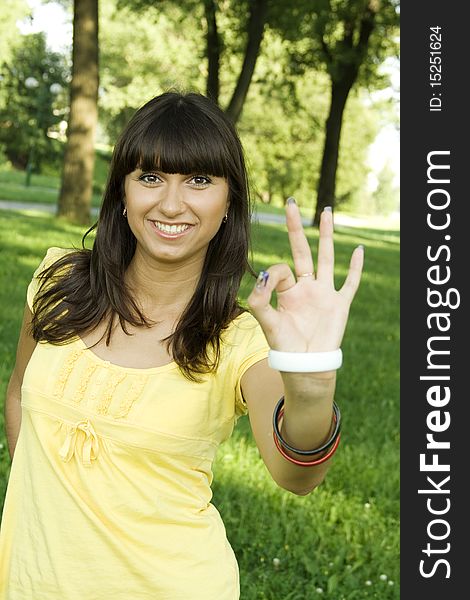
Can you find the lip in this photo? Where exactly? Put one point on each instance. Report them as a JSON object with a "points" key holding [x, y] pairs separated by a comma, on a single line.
{"points": [[170, 236]]}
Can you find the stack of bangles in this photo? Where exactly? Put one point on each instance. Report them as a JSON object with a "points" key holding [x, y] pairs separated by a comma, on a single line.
{"points": [[329, 446], [306, 363]]}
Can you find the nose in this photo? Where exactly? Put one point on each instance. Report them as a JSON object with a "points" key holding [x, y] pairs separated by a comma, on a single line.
{"points": [[171, 202]]}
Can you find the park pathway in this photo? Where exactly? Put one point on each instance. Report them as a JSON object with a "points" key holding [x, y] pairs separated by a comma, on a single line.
{"points": [[260, 217], [51, 208]]}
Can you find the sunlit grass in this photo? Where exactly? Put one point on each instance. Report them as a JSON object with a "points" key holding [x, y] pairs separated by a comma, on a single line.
{"points": [[44, 189]]}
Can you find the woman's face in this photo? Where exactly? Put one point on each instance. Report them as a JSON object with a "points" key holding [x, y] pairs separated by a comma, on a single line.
{"points": [[175, 216]]}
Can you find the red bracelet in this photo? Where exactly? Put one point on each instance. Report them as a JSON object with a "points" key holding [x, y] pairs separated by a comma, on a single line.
{"points": [[309, 463]]}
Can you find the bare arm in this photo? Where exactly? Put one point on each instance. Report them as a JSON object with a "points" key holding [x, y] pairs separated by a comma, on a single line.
{"points": [[25, 348], [311, 316], [310, 405]]}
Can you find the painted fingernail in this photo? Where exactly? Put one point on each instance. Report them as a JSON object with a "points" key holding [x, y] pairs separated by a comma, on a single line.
{"points": [[291, 200], [262, 280], [328, 209]]}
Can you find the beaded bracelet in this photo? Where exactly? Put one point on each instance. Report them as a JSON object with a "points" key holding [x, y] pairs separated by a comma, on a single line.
{"points": [[331, 444]]}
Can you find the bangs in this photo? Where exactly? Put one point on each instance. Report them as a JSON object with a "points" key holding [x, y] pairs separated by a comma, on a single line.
{"points": [[180, 140]]}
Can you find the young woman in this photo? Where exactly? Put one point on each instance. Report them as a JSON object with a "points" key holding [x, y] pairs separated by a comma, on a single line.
{"points": [[135, 360]]}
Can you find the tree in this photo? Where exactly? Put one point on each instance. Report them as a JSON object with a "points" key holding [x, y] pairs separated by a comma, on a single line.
{"points": [[282, 131], [77, 175], [343, 58], [350, 39], [282, 123], [254, 28], [12, 12], [213, 50], [33, 102]]}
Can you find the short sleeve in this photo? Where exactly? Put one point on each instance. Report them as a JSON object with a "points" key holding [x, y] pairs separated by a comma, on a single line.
{"points": [[53, 254], [253, 347]]}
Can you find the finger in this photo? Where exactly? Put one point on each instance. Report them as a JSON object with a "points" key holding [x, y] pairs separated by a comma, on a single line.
{"points": [[277, 278], [326, 248], [353, 278], [301, 253]]}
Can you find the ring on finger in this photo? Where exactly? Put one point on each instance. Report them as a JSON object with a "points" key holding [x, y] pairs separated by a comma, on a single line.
{"points": [[305, 275]]}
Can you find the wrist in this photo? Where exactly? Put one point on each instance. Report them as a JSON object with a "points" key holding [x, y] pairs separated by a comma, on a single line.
{"points": [[302, 443], [309, 388]]}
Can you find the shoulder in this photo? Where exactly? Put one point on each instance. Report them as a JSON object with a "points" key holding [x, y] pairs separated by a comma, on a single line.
{"points": [[244, 321], [245, 334], [53, 254], [243, 326]]}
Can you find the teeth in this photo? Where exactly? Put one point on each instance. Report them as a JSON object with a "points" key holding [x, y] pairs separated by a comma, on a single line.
{"points": [[170, 228]]}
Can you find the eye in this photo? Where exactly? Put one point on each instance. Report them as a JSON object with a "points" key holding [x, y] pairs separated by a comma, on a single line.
{"points": [[200, 180], [149, 178]]}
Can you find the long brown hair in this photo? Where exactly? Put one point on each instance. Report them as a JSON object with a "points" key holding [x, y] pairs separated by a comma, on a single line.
{"points": [[174, 133]]}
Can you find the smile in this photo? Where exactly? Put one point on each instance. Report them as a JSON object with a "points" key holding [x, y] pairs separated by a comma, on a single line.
{"points": [[170, 230]]}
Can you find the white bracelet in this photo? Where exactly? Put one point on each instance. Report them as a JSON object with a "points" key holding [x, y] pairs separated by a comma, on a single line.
{"points": [[305, 362]]}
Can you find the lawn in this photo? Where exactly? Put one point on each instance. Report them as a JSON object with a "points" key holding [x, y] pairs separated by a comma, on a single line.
{"points": [[341, 541], [44, 189]]}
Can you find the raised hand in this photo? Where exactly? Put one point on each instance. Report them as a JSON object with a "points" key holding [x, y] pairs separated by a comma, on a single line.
{"points": [[311, 315]]}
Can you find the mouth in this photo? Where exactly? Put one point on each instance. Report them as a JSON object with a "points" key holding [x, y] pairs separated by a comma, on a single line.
{"points": [[170, 231]]}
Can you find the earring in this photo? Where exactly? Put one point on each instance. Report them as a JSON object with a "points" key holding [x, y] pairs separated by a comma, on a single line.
{"points": [[124, 212], [225, 219]]}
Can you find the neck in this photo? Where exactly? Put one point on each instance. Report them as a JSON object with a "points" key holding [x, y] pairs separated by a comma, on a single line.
{"points": [[162, 288]]}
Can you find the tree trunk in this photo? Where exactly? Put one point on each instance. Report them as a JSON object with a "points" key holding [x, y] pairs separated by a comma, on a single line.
{"points": [[257, 20], [77, 174], [345, 66], [213, 51], [327, 182]]}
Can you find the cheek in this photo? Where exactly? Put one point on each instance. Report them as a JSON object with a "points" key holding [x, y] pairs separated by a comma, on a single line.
{"points": [[140, 199], [214, 215]]}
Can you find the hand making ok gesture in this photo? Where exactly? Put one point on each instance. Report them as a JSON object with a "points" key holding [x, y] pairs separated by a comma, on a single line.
{"points": [[311, 315]]}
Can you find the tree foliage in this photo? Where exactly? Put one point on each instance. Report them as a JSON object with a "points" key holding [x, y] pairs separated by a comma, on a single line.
{"points": [[282, 129], [349, 40], [149, 47], [250, 17], [142, 54], [12, 12], [28, 114]]}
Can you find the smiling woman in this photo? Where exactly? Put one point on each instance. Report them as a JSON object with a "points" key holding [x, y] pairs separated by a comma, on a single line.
{"points": [[169, 136], [135, 361], [181, 208]]}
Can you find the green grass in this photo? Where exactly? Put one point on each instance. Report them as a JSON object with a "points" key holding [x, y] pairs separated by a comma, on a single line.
{"points": [[344, 534], [44, 189]]}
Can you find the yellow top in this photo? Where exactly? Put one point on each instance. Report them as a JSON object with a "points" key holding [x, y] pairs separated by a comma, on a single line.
{"points": [[109, 492]]}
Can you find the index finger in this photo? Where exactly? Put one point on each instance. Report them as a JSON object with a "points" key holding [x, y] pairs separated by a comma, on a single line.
{"points": [[301, 253]]}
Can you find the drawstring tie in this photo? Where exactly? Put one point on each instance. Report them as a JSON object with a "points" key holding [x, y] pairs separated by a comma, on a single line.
{"points": [[90, 447]]}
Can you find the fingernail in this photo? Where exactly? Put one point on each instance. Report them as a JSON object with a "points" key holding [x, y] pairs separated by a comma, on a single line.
{"points": [[361, 246], [291, 200], [328, 209], [262, 279]]}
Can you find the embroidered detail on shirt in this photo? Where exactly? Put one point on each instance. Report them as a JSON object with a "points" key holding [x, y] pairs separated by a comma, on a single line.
{"points": [[107, 397], [82, 430], [84, 381], [65, 372], [95, 392], [133, 394]]}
